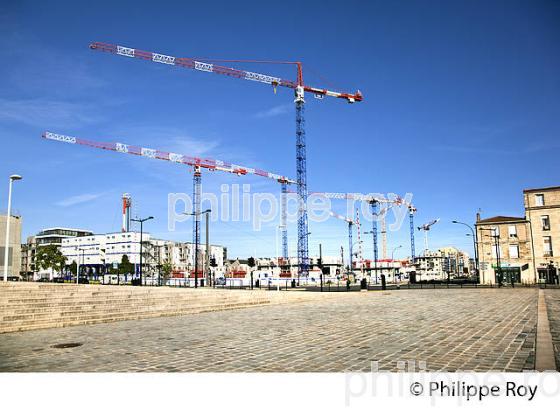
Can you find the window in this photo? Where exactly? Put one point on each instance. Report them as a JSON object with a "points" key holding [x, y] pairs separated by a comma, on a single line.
{"points": [[496, 251], [547, 242], [512, 230], [514, 251], [545, 223], [539, 199], [495, 232]]}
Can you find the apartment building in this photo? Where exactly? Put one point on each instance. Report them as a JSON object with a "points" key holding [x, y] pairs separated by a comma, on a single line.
{"points": [[522, 249], [48, 236], [98, 252], [542, 210], [504, 248]]}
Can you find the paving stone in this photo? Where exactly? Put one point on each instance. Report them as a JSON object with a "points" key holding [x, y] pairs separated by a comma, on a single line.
{"points": [[469, 329]]}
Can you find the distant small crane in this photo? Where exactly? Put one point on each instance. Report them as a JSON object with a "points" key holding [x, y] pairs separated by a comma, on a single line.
{"points": [[426, 227], [350, 223]]}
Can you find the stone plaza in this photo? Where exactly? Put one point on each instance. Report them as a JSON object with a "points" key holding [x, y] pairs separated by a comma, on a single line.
{"points": [[439, 330]]}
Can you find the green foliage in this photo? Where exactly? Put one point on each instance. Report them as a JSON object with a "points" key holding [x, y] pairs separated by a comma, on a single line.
{"points": [[166, 270], [125, 267], [49, 257]]}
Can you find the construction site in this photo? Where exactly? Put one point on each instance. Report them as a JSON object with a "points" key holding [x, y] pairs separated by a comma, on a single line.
{"points": [[357, 189], [199, 265]]}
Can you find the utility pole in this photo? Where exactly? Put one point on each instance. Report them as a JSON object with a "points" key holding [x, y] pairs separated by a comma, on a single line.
{"points": [[141, 222]]}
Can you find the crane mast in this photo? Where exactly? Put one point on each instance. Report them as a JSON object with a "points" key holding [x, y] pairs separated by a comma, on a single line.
{"points": [[411, 211], [206, 65], [350, 223]]}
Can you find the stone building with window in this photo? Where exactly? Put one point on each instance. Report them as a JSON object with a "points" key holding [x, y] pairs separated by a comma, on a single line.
{"points": [[504, 248], [542, 210], [525, 249]]}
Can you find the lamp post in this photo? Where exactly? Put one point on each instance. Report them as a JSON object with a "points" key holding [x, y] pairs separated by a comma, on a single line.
{"points": [[78, 249], [392, 261], [374, 254], [196, 241], [496, 235], [141, 222], [13, 178], [475, 245]]}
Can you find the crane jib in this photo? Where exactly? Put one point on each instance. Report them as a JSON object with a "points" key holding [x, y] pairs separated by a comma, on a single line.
{"points": [[213, 68], [207, 163]]}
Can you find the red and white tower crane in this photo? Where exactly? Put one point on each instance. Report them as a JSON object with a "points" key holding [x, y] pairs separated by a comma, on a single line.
{"points": [[197, 165], [426, 227], [207, 65]]}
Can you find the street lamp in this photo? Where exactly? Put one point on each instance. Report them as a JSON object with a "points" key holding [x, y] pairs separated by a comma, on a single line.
{"points": [[13, 178], [496, 235], [195, 214], [141, 222], [475, 245], [78, 249], [374, 253], [392, 261]]}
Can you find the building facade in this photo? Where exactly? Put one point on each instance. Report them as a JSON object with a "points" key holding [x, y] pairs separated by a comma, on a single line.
{"points": [[542, 210], [98, 253], [522, 249], [50, 236], [14, 245], [505, 250]]}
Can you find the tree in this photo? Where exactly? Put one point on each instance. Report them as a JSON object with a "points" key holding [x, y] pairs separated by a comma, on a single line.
{"points": [[166, 270], [125, 267], [73, 267], [50, 257]]}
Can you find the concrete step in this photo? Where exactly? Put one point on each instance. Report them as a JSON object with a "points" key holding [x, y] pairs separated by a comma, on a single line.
{"points": [[27, 306], [72, 320]]}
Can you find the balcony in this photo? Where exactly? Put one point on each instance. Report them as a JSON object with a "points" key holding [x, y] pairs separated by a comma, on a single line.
{"points": [[548, 254]]}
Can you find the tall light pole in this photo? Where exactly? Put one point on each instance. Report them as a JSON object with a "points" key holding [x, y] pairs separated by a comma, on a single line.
{"points": [[8, 217], [196, 219], [393, 261], [475, 245], [207, 259], [496, 235], [374, 253], [141, 222], [78, 249]]}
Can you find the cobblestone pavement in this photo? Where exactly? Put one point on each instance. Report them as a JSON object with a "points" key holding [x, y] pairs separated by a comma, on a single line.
{"points": [[553, 309], [474, 329]]}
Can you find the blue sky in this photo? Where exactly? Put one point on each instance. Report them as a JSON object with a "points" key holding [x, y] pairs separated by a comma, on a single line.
{"points": [[461, 107]]}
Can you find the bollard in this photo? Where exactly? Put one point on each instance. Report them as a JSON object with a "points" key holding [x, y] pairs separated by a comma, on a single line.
{"points": [[383, 283], [363, 284]]}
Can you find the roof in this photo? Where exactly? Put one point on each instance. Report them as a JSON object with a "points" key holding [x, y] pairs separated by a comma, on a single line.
{"points": [[550, 188], [500, 219]]}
